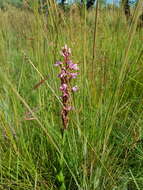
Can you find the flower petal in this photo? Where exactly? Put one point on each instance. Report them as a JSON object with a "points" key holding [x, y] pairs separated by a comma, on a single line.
{"points": [[58, 63], [72, 66], [73, 75], [74, 88], [63, 87]]}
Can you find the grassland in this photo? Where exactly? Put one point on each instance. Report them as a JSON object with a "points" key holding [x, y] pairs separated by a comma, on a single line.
{"points": [[103, 146]]}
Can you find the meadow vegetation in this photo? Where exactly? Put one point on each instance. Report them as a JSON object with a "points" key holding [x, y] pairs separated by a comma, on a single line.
{"points": [[103, 145]]}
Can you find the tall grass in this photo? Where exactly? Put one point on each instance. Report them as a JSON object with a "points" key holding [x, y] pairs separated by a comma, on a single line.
{"points": [[103, 144]]}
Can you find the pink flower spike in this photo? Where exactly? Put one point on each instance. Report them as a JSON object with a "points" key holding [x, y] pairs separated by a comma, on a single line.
{"points": [[58, 63], [75, 88], [63, 87]]}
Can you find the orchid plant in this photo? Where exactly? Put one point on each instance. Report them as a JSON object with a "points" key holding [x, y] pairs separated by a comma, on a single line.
{"points": [[68, 71]]}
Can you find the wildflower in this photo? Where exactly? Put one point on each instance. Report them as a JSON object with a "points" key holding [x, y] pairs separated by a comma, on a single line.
{"points": [[72, 66], [73, 75], [62, 74], [74, 89], [58, 63], [65, 76], [66, 51], [68, 108], [63, 87]]}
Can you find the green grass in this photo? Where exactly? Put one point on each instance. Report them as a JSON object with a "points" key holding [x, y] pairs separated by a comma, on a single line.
{"points": [[103, 147]]}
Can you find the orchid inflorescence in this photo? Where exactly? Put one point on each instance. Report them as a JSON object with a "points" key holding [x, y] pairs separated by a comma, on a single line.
{"points": [[68, 71]]}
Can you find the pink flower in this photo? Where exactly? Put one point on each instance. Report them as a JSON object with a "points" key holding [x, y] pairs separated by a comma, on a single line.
{"points": [[68, 71], [62, 74], [72, 65], [58, 63], [66, 51], [63, 87], [74, 89], [73, 75], [68, 108]]}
